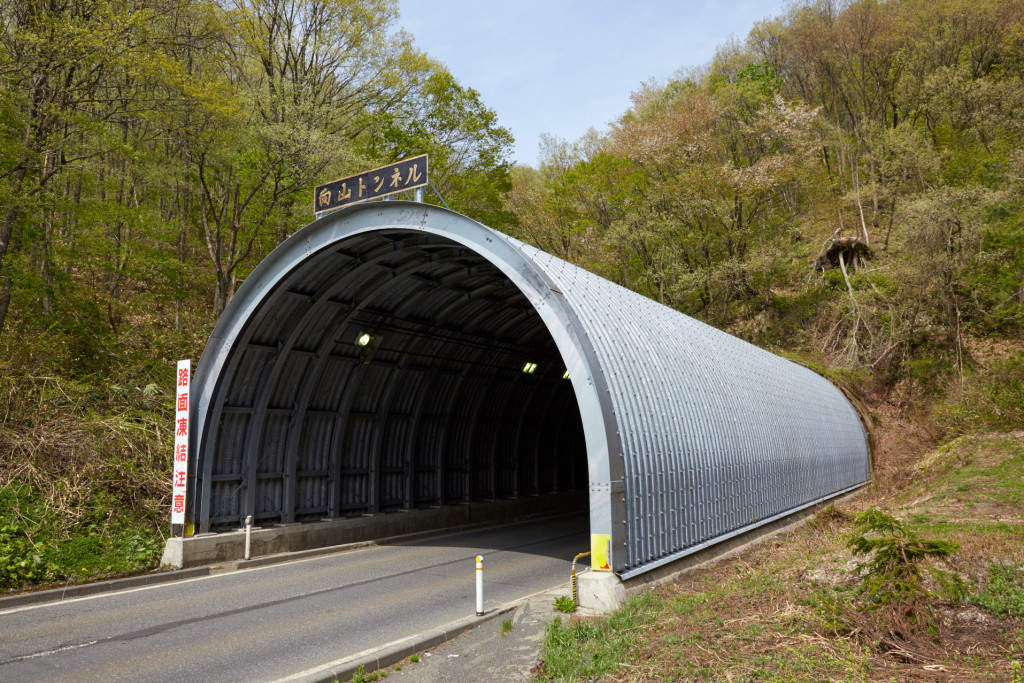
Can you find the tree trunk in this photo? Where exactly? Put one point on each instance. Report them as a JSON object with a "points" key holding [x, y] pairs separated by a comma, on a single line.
{"points": [[6, 230], [220, 300], [5, 299], [46, 262]]}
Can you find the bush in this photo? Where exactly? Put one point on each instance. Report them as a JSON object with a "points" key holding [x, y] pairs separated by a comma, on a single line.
{"points": [[893, 573], [37, 546], [993, 399], [1006, 392], [21, 557]]}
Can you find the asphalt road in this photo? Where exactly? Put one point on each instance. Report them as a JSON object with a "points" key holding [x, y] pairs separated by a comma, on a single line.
{"points": [[270, 622]]}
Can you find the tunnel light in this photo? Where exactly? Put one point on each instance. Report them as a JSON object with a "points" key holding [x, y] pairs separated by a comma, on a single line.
{"points": [[530, 368], [363, 339], [566, 375]]}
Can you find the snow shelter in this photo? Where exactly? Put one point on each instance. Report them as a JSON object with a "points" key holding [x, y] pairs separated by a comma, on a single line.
{"points": [[396, 366]]}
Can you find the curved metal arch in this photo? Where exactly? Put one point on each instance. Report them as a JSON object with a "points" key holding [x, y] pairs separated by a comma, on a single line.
{"points": [[312, 373], [250, 451], [600, 433], [261, 402]]}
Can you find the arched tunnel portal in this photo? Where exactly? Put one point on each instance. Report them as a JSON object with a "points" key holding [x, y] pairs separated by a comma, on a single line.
{"points": [[395, 369], [375, 364], [395, 356]]}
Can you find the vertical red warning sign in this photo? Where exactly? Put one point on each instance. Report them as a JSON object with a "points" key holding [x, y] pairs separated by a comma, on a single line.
{"points": [[183, 380]]}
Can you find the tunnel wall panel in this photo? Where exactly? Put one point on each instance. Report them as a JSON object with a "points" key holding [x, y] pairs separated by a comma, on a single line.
{"points": [[689, 397]]}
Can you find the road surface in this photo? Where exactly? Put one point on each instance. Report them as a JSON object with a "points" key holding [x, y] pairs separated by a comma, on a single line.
{"points": [[267, 623]]}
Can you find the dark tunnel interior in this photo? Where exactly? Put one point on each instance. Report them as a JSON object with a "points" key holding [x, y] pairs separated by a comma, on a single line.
{"points": [[394, 370]]}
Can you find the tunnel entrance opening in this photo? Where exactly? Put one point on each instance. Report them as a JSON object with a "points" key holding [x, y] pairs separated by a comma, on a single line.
{"points": [[393, 370]]}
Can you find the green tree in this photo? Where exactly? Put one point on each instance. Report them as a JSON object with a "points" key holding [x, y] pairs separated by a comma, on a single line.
{"points": [[67, 71], [468, 149]]}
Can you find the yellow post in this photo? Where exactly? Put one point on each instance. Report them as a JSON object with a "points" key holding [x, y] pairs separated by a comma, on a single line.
{"points": [[575, 595]]}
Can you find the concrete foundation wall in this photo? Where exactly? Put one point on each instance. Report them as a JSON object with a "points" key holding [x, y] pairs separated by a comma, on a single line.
{"points": [[203, 549]]}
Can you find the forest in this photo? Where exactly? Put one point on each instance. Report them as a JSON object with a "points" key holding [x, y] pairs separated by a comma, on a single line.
{"points": [[844, 187]]}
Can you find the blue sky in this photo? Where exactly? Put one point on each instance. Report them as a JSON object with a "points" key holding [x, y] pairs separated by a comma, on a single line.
{"points": [[563, 66]]}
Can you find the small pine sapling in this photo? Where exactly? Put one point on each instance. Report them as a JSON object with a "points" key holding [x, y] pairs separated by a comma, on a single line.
{"points": [[893, 572]]}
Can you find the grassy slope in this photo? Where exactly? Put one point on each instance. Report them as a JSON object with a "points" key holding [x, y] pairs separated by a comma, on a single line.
{"points": [[83, 480], [789, 610], [86, 417]]}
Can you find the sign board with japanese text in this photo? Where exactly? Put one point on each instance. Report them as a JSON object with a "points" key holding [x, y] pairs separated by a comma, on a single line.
{"points": [[183, 378], [407, 174]]}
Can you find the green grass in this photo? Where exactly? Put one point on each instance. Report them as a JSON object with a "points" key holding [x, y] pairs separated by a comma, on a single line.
{"points": [[36, 546], [362, 677], [1003, 592], [579, 649], [997, 483], [664, 636], [950, 529], [563, 603]]}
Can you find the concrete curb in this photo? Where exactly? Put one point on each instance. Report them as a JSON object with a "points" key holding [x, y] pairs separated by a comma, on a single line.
{"points": [[58, 594], [228, 546], [291, 556], [379, 658]]}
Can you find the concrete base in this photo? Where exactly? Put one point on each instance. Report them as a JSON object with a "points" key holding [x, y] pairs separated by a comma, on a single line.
{"points": [[193, 551], [600, 592]]}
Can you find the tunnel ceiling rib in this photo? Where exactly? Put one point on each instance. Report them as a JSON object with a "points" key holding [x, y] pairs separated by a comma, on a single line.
{"points": [[380, 359]]}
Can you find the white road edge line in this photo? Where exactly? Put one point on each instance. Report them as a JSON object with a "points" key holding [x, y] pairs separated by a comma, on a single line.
{"points": [[219, 575], [366, 654]]}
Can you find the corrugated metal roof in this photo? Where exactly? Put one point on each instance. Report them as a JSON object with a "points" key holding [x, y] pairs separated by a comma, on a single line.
{"points": [[686, 434], [716, 433]]}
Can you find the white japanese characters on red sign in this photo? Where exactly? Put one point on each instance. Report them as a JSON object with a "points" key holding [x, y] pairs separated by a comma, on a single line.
{"points": [[183, 380]]}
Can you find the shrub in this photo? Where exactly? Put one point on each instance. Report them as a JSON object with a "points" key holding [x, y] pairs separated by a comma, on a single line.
{"points": [[893, 573]]}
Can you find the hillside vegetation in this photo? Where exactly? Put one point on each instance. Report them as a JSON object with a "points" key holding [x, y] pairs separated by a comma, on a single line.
{"points": [[151, 154], [800, 606], [844, 187], [847, 183]]}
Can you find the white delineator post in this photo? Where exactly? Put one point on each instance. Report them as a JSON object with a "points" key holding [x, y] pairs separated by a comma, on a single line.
{"points": [[248, 535], [183, 380], [479, 585]]}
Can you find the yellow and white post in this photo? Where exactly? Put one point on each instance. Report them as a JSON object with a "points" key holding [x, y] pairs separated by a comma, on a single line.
{"points": [[479, 585]]}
